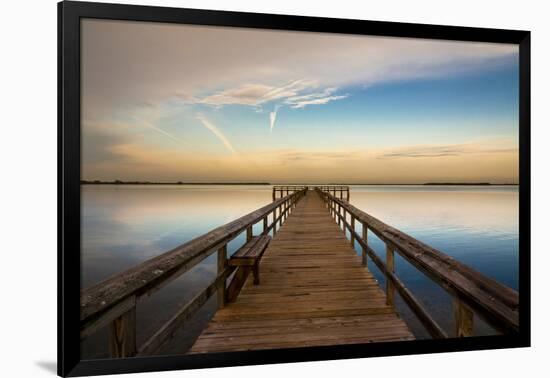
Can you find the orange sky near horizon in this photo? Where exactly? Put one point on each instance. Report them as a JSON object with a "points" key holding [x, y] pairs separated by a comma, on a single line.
{"points": [[168, 103]]}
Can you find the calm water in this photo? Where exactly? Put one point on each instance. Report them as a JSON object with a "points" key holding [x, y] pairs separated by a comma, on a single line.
{"points": [[125, 225]]}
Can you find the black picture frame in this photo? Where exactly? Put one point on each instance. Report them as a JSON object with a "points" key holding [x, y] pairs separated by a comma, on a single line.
{"points": [[69, 16]]}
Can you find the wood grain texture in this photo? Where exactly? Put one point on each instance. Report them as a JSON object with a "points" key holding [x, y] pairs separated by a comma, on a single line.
{"points": [[122, 335], [464, 319], [155, 273], [496, 303], [249, 253], [314, 291]]}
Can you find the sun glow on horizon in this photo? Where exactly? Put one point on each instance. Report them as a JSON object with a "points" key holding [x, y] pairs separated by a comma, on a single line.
{"points": [[214, 104]]}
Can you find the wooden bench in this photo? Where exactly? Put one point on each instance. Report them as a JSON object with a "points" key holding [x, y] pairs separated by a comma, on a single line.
{"points": [[249, 255]]}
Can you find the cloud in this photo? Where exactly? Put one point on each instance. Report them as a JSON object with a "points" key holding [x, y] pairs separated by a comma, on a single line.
{"points": [[289, 90], [99, 143], [477, 161], [247, 94], [428, 151], [315, 98], [292, 156], [167, 59], [296, 94], [257, 94], [217, 132], [316, 101]]}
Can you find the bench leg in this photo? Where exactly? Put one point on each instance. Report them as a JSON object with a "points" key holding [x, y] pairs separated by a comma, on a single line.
{"points": [[256, 271]]}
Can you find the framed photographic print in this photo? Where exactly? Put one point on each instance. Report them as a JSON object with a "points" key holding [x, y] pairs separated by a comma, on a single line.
{"points": [[239, 188]]}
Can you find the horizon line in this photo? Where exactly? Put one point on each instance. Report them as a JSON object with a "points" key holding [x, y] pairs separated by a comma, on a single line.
{"points": [[139, 182]]}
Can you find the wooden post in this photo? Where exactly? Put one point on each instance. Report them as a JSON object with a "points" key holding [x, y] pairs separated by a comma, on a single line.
{"points": [[287, 208], [249, 233], [344, 219], [352, 232], [464, 319], [122, 337], [365, 239], [390, 265], [339, 215], [281, 215], [274, 221], [222, 261], [265, 223]]}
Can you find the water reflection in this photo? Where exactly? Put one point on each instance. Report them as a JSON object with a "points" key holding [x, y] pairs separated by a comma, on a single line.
{"points": [[125, 225], [478, 226]]}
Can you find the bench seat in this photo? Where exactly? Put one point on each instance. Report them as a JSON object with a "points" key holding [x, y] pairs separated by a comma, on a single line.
{"points": [[250, 255]]}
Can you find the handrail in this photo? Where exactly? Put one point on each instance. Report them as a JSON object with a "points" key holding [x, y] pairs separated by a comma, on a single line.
{"points": [[336, 189], [113, 300], [472, 291], [289, 189]]}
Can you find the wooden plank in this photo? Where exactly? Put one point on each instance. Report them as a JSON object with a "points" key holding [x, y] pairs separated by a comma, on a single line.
{"points": [[237, 282], [496, 303], [167, 331], [249, 233], [122, 335], [251, 251], [414, 304], [352, 236], [464, 319], [154, 273], [390, 288], [222, 263], [363, 249], [97, 323], [314, 291]]}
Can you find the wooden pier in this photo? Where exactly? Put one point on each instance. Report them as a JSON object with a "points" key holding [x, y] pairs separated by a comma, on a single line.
{"points": [[314, 291], [309, 287]]}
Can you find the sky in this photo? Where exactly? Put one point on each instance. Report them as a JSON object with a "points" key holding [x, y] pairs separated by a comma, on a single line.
{"points": [[168, 102]]}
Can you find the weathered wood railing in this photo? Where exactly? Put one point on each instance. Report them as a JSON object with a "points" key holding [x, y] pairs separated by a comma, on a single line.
{"points": [[471, 291], [339, 191], [280, 191], [113, 302]]}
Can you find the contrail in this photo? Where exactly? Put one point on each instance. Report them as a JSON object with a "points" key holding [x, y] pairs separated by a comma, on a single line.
{"points": [[157, 129], [148, 124], [215, 131], [272, 117]]}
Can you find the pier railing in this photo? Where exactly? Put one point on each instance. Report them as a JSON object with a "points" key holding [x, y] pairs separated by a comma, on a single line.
{"points": [[280, 191], [338, 191], [472, 292], [113, 302]]}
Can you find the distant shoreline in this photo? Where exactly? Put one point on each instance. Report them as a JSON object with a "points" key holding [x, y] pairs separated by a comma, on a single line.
{"points": [[118, 182], [96, 182]]}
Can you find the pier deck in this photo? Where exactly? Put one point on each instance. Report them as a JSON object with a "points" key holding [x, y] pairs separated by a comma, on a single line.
{"points": [[314, 291]]}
